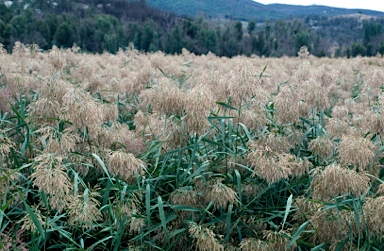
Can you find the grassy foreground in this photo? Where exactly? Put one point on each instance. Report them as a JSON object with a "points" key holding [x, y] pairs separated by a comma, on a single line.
{"points": [[152, 152]]}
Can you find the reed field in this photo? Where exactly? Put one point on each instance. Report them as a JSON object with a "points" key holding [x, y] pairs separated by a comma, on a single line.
{"points": [[139, 151]]}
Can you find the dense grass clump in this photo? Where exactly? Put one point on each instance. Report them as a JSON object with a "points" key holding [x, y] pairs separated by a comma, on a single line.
{"points": [[154, 152]]}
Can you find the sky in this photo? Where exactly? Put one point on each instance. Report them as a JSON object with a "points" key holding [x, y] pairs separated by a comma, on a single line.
{"points": [[351, 4]]}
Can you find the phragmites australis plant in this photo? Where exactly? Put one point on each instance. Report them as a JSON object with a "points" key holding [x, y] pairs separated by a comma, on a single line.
{"points": [[138, 151]]}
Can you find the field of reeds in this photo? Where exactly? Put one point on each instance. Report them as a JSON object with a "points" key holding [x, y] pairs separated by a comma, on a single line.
{"points": [[156, 152]]}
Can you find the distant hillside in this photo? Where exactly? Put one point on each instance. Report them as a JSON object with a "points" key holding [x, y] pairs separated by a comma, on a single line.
{"points": [[236, 9], [251, 10], [299, 11], [105, 25]]}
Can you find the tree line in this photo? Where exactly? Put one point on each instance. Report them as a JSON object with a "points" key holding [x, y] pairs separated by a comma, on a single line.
{"points": [[101, 25]]}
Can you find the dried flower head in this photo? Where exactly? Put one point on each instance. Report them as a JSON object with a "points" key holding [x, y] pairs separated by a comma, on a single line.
{"points": [[356, 151], [336, 180], [303, 53], [374, 213], [50, 176], [340, 112], [175, 102], [380, 190], [305, 208], [136, 224], [250, 190], [271, 143], [125, 165], [159, 127], [336, 128], [127, 138], [290, 105], [252, 244], [197, 108], [6, 97], [331, 226], [220, 194], [48, 107], [57, 142], [184, 197], [267, 167], [279, 240], [84, 210], [297, 166], [80, 108], [318, 95], [27, 222], [12, 243], [204, 238], [321, 147], [6, 145]]}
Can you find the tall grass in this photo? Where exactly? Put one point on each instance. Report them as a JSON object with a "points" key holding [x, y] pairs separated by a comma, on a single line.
{"points": [[152, 152]]}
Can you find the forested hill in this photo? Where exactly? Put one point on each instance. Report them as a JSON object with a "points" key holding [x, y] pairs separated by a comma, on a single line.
{"points": [[104, 25], [248, 9]]}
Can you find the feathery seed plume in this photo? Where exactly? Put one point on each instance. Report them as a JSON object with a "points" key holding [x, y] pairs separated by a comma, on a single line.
{"points": [[84, 210], [336, 180], [356, 151], [204, 239], [125, 165], [50, 176]]}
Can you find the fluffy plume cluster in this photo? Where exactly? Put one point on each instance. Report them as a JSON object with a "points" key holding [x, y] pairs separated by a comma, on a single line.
{"points": [[53, 141], [85, 112], [128, 209], [221, 195], [273, 241], [279, 240], [356, 151], [374, 213], [84, 210], [336, 180], [49, 106], [290, 105], [125, 165], [250, 244], [271, 163], [184, 197], [215, 191], [321, 147], [27, 223], [50, 176], [204, 239], [334, 226], [5, 146], [12, 243]]}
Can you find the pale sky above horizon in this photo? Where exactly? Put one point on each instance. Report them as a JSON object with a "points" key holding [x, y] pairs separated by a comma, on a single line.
{"points": [[350, 4]]}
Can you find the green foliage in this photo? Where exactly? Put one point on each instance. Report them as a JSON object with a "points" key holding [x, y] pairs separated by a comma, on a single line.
{"points": [[251, 26], [176, 42], [357, 49], [65, 35], [248, 10], [100, 26], [239, 30]]}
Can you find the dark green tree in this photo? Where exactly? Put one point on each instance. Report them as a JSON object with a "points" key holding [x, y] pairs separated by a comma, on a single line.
{"points": [[5, 13], [147, 36], [371, 30], [357, 49], [381, 48], [175, 41], [239, 30], [65, 35], [251, 26], [302, 38]]}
